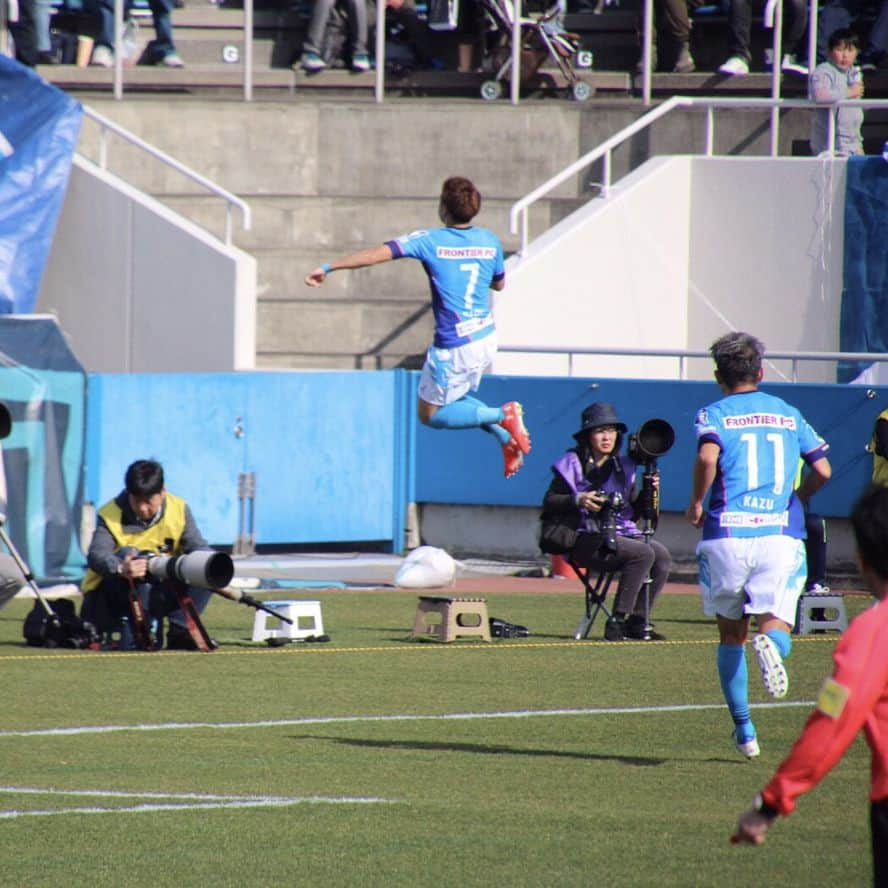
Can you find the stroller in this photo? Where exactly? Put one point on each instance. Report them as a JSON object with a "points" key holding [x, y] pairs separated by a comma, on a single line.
{"points": [[541, 39]]}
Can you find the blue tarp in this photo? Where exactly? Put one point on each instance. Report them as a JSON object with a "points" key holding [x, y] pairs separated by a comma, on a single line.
{"points": [[41, 462], [39, 126], [864, 316]]}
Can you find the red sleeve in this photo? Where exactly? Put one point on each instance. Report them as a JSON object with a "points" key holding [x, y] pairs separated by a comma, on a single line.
{"points": [[846, 701]]}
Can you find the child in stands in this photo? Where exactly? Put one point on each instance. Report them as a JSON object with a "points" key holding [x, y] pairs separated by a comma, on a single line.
{"points": [[833, 80]]}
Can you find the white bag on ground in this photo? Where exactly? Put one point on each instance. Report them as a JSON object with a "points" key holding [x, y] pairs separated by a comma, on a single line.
{"points": [[426, 567]]}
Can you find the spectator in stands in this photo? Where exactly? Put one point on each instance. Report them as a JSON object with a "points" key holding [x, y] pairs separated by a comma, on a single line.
{"points": [[24, 33], [43, 36], [839, 14], [313, 60], [673, 36], [160, 51], [795, 22], [409, 40], [833, 80], [142, 517], [579, 498], [879, 449]]}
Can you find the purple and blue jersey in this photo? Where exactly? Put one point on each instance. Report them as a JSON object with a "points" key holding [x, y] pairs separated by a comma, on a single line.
{"points": [[461, 264], [761, 439]]}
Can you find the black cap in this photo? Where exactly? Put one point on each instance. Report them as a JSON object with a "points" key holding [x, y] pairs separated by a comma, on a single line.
{"points": [[597, 415]]}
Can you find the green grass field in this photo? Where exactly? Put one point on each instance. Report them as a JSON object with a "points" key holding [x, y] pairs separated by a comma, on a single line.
{"points": [[576, 763]]}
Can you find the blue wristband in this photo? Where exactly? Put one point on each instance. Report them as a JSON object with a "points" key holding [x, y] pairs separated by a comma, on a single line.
{"points": [[325, 267]]}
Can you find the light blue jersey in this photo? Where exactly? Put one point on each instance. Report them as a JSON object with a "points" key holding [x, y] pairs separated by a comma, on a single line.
{"points": [[461, 264], [761, 438]]}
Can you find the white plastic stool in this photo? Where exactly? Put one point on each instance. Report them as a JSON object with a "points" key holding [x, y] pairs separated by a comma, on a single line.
{"points": [[300, 612], [833, 607]]}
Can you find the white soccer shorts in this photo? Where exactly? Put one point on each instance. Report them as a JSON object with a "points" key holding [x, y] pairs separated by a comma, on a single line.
{"points": [[752, 575], [450, 373]]}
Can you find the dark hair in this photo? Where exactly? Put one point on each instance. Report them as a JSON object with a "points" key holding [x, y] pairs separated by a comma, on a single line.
{"points": [[461, 199], [843, 37], [738, 358], [144, 478], [869, 520]]}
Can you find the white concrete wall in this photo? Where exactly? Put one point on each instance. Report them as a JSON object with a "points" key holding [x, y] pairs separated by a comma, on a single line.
{"points": [[138, 288], [684, 249], [614, 273]]}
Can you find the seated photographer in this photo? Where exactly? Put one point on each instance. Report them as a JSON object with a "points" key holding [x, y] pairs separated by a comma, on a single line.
{"points": [[589, 514], [142, 518]]}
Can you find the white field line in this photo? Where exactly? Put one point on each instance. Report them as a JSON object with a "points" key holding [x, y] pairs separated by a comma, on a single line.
{"points": [[350, 719], [189, 801]]}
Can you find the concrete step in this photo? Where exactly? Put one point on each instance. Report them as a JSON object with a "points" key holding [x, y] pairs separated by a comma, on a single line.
{"points": [[321, 333], [330, 224], [299, 147]]}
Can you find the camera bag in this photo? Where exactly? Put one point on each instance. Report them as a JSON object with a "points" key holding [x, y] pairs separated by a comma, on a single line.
{"points": [[71, 632]]}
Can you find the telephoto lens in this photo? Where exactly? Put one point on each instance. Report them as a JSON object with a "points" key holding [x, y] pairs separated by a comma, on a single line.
{"points": [[204, 569]]}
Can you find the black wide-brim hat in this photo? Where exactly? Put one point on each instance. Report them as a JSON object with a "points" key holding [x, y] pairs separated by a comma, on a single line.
{"points": [[596, 415]]}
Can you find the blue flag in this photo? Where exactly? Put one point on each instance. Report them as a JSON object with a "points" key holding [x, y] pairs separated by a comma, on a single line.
{"points": [[864, 314], [39, 126]]}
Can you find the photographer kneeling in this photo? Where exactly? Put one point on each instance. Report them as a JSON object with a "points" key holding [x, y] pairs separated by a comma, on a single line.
{"points": [[142, 519], [589, 515]]}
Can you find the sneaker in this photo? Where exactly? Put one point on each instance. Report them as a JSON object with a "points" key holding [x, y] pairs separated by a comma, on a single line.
{"points": [[312, 62], [735, 66], [360, 62], [513, 423], [749, 748], [615, 629], [172, 60], [635, 630], [684, 64], [818, 589], [792, 66], [513, 458], [774, 676], [102, 57]]}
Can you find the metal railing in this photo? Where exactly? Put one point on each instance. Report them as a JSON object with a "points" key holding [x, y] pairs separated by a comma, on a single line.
{"points": [[683, 355], [518, 215], [231, 200]]}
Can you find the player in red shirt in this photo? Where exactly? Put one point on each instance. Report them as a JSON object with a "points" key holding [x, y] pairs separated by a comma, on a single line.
{"points": [[855, 696]]}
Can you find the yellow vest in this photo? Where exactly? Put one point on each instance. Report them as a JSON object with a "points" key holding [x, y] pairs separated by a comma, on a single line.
{"points": [[170, 527], [880, 464]]}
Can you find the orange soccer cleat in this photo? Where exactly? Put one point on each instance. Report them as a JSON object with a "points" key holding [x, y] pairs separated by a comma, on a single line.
{"points": [[513, 423], [513, 458]]}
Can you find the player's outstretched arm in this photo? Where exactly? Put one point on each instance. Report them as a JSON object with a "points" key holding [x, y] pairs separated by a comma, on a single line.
{"points": [[361, 259]]}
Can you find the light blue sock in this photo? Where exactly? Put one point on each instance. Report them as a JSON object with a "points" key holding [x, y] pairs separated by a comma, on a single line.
{"points": [[731, 660], [782, 641], [492, 428], [469, 413]]}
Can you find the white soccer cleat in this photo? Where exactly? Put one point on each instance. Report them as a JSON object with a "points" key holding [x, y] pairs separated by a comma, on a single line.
{"points": [[774, 676], [750, 748]]}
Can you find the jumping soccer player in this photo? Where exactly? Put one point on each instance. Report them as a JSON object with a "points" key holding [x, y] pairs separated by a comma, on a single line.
{"points": [[752, 556], [463, 263]]}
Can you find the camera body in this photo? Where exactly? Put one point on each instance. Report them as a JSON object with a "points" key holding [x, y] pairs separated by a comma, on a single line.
{"points": [[607, 518]]}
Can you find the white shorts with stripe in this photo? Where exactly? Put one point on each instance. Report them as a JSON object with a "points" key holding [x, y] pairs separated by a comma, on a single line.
{"points": [[752, 575], [450, 373]]}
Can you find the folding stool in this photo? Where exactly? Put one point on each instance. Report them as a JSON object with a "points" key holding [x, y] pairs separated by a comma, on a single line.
{"points": [[451, 623], [829, 603], [596, 596]]}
